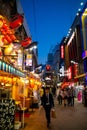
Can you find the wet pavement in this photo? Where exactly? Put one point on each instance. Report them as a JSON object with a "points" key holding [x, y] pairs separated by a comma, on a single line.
{"points": [[67, 118]]}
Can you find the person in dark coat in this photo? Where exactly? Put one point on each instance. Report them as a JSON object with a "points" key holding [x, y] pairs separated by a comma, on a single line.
{"points": [[47, 102]]}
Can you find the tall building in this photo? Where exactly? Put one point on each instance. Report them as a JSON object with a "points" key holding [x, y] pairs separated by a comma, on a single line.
{"points": [[75, 50]]}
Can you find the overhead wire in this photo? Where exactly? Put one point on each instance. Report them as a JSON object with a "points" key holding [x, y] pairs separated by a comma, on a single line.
{"points": [[35, 21]]}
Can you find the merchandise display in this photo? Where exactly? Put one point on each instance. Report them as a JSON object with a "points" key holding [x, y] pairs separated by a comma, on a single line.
{"points": [[7, 112]]}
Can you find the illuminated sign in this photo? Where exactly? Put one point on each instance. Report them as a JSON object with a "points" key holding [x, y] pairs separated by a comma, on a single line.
{"points": [[48, 67], [20, 59], [84, 28], [84, 54], [62, 51], [62, 71], [29, 60], [69, 73]]}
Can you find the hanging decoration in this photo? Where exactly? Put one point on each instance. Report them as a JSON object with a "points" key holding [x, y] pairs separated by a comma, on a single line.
{"points": [[6, 32], [16, 22], [26, 41]]}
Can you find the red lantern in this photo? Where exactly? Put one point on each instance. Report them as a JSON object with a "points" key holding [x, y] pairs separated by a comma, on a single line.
{"points": [[3, 31], [16, 21], [9, 32], [5, 27], [13, 37], [26, 41], [8, 39]]}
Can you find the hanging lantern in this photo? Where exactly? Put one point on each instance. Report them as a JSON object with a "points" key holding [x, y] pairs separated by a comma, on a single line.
{"points": [[5, 26], [8, 50], [13, 38], [16, 21], [9, 32], [8, 38], [3, 31], [26, 42], [32, 82], [4, 41]]}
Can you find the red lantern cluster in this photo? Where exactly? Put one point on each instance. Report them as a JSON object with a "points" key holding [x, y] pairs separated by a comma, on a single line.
{"points": [[16, 21], [8, 36], [26, 42]]}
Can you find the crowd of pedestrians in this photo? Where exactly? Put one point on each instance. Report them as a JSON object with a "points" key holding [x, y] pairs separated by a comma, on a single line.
{"points": [[66, 96]]}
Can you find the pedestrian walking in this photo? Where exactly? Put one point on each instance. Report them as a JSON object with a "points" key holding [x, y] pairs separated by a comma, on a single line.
{"points": [[68, 96], [47, 102], [64, 95], [59, 96], [72, 95]]}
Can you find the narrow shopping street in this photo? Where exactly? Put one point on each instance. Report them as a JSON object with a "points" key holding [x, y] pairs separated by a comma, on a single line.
{"points": [[68, 118], [43, 55]]}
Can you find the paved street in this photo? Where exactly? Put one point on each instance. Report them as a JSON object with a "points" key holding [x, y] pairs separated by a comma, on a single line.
{"points": [[68, 118]]}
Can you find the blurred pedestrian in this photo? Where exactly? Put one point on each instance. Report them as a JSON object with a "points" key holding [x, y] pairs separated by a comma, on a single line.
{"points": [[68, 96], [64, 95], [85, 96], [72, 95], [79, 96], [59, 96], [47, 102]]}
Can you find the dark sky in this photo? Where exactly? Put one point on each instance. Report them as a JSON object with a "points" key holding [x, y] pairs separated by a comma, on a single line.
{"points": [[49, 21]]}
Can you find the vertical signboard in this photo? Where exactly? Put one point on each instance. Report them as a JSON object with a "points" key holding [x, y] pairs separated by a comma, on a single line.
{"points": [[62, 51], [84, 29], [20, 59], [29, 60]]}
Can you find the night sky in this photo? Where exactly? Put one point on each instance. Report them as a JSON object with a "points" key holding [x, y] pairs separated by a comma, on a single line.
{"points": [[49, 21]]}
